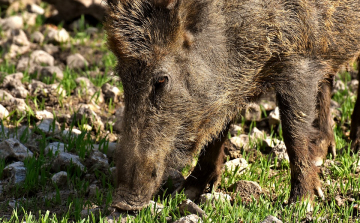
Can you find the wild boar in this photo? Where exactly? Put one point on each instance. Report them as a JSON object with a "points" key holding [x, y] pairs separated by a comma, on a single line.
{"points": [[189, 66]]}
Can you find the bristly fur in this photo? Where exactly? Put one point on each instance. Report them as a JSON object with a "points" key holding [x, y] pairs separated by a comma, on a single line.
{"points": [[212, 57], [150, 27]]}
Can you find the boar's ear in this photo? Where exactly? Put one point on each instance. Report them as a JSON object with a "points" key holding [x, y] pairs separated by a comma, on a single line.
{"points": [[195, 14], [169, 4]]}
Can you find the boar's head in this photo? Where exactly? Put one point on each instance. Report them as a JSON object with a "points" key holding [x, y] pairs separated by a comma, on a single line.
{"points": [[172, 61]]}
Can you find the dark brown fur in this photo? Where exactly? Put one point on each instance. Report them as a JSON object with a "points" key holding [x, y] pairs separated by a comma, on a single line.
{"points": [[355, 118], [189, 66]]}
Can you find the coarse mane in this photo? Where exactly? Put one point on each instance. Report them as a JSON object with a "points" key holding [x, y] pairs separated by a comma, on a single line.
{"points": [[143, 29]]}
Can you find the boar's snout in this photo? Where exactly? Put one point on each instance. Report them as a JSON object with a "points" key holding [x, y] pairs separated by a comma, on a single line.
{"points": [[138, 178], [128, 200]]}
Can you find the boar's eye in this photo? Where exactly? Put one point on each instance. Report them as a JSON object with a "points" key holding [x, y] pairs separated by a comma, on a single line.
{"points": [[159, 85], [160, 82]]}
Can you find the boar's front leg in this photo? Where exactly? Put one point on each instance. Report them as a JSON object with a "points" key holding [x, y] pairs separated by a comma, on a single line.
{"points": [[208, 168], [355, 119], [323, 121], [297, 87]]}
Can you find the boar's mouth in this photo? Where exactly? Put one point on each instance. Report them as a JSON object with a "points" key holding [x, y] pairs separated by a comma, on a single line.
{"points": [[129, 201]]}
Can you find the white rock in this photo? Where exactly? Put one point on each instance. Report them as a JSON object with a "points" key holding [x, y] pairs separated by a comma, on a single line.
{"points": [[51, 49], [17, 102], [188, 206], [76, 61], [50, 33], [280, 152], [35, 9], [214, 197], [98, 160], [47, 125], [193, 218], [339, 201], [16, 172], [60, 178], [339, 86], [12, 22], [87, 112], [36, 86], [49, 71], [14, 149], [58, 90], [252, 112], [23, 64], [354, 85], [56, 36], [19, 38], [62, 36], [271, 219], [110, 92], [236, 130], [3, 112], [43, 115], [18, 44], [55, 147], [241, 141], [20, 104], [29, 18], [65, 160], [271, 142], [74, 132], [239, 163], [84, 81], [274, 117], [268, 105], [40, 57], [86, 127], [15, 50], [37, 37], [20, 92], [5, 96], [256, 134], [155, 208], [13, 80]]}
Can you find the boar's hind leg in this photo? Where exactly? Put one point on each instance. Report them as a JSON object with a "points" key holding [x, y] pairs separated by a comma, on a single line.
{"points": [[297, 89], [208, 168], [323, 122], [355, 119]]}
